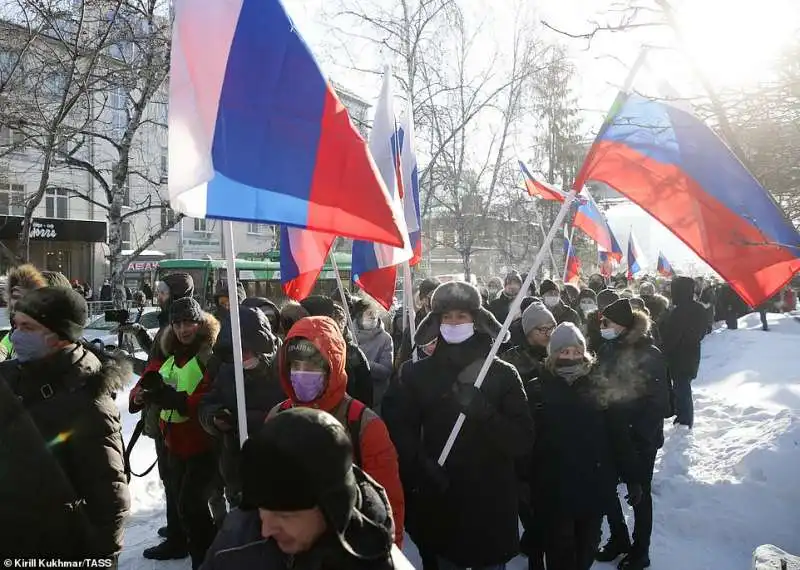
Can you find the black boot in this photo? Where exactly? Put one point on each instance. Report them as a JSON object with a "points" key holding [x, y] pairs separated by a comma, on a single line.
{"points": [[634, 562], [163, 532], [613, 549], [167, 550]]}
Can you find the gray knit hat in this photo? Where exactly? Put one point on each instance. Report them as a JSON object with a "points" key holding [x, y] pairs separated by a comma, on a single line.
{"points": [[536, 315], [565, 335]]}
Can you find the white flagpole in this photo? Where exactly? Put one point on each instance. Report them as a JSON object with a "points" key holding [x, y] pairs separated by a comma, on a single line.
{"points": [[513, 310], [342, 293], [408, 291], [236, 332]]}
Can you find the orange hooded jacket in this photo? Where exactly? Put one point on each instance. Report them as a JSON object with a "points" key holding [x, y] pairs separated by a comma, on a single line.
{"points": [[378, 454]]}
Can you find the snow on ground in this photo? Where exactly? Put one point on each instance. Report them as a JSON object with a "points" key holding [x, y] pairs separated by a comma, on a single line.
{"points": [[720, 491]]}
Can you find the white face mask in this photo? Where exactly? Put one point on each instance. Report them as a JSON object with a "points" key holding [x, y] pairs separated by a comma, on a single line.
{"points": [[609, 334], [551, 300], [456, 334], [588, 308]]}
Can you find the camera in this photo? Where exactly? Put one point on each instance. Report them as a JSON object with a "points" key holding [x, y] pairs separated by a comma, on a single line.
{"points": [[117, 316]]}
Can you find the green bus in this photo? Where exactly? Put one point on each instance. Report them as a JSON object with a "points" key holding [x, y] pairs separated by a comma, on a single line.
{"points": [[260, 278]]}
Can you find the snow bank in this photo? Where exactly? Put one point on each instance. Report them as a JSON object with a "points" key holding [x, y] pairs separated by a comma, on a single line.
{"points": [[770, 557], [720, 490]]}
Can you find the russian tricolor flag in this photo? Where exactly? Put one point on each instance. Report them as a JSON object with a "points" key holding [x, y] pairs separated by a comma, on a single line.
{"points": [[257, 133], [303, 255], [664, 267], [410, 183], [677, 169], [374, 267], [593, 223], [573, 265], [538, 188], [635, 257]]}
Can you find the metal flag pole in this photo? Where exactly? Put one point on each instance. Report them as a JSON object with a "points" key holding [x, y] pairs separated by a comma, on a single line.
{"points": [[236, 332], [513, 310], [570, 248], [342, 292]]}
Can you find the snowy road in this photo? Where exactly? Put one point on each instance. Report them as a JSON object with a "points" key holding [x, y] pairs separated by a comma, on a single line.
{"points": [[719, 491]]}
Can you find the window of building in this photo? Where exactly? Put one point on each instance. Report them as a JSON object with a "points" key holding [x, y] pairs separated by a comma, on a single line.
{"points": [[11, 138], [256, 228], [56, 203], [9, 64], [164, 170], [12, 199], [201, 226], [125, 230], [168, 217], [118, 102]]}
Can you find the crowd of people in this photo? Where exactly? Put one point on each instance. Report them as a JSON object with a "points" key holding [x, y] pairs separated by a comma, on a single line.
{"points": [[346, 426]]}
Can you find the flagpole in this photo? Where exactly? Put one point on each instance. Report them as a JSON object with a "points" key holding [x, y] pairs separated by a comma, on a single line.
{"points": [[544, 235], [342, 292], [408, 291], [571, 247], [513, 310], [236, 332]]}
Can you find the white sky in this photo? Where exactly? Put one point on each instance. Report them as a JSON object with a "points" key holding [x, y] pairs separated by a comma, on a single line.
{"points": [[735, 42]]}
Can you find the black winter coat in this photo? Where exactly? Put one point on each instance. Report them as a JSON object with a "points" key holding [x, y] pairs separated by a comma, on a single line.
{"points": [[566, 314], [66, 402], [580, 446], [499, 307], [359, 377], [636, 374], [594, 340], [527, 359], [682, 329], [369, 534], [473, 521]]}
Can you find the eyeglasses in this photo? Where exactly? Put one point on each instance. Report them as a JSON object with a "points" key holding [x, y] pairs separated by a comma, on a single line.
{"points": [[545, 330]]}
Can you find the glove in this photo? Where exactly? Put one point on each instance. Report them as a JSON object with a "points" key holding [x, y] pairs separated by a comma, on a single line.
{"points": [[435, 477], [170, 399], [635, 493], [151, 381], [472, 401], [223, 420]]}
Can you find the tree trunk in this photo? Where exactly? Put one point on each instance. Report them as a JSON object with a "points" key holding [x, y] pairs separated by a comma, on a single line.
{"points": [[23, 243]]}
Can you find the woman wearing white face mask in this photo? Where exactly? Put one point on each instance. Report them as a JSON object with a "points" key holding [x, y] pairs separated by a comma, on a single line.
{"points": [[551, 296], [377, 346], [466, 512], [587, 303]]}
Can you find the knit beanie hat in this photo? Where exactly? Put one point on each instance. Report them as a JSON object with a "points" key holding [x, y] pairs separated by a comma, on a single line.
{"points": [[180, 285], [547, 286], [59, 309], [606, 297], [185, 309], [566, 335], [620, 312], [301, 349], [318, 306], [536, 316], [587, 294], [428, 286], [300, 459]]}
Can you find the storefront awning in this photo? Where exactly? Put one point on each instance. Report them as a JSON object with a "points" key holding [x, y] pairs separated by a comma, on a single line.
{"points": [[50, 229]]}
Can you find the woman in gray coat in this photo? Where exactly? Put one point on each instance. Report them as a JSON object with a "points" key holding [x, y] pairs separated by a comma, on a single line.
{"points": [[376, 344]]}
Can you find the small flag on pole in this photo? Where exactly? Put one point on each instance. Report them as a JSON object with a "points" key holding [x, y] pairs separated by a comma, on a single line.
{"points": [[664, 267], [573, 271], [635, 257]]}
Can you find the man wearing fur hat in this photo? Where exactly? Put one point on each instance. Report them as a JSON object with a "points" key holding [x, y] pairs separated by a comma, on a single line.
{"points": [[305, 504], [636, 374], [470, 503], [511, 287], [57, 402], [20, 281]]}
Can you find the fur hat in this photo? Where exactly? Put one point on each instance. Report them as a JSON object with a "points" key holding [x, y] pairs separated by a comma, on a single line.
{"points": [[606, 297], [300, 459], [547, 286], [620, 312], [58, 309], [455, 296], [647, 288], [25, 276]]}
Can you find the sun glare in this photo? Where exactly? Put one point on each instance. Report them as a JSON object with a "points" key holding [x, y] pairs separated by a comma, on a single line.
{"points": [[736, 42]]}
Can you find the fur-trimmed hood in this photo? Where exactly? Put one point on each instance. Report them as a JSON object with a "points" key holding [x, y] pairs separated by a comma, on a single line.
{"points": [[206, 335], [639, 330], [456, 296], [26, 276]]}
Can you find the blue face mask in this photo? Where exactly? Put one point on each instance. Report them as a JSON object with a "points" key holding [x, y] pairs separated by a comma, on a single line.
{"points": [[30, 345], [609, 334]]}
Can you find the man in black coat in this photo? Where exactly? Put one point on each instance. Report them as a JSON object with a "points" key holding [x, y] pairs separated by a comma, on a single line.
{"points": [[469, 507], [636, 375], [682, 329], [594, 339], [551, 295], [66, 393], [528, 357], [402, 337], [499, 307], [304, 503]]}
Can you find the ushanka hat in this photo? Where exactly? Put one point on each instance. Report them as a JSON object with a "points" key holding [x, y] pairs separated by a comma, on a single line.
{"points": [[455, 296]]}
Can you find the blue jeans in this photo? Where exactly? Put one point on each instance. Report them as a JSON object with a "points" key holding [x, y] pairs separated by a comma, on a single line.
{"points": [[447, 565], [684, 405]]}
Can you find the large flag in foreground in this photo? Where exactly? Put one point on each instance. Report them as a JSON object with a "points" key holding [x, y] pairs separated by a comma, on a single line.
{"points": [[664, 267], [303, 255], [635, 257], [593, 223], [675, 167], [257, 133], [410, 183], [374, 267]]}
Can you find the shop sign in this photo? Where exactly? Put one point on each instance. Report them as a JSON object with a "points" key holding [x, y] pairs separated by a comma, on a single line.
{"points": [[40, 230], [142, 266]]}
